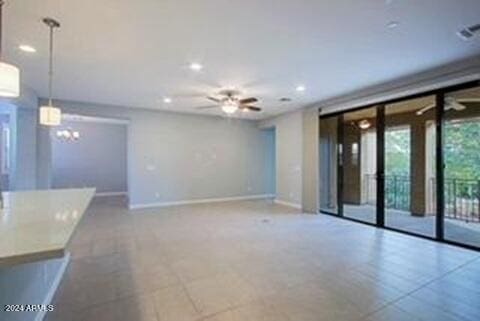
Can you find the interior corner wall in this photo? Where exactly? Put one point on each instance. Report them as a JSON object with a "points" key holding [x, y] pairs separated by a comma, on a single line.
{"points": [[289, 158]]}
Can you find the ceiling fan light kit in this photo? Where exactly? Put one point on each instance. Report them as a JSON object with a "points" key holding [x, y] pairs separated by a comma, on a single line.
{"points": [[364, 124], [230, 103], [9, 74], [230, 107], [50, 115]]}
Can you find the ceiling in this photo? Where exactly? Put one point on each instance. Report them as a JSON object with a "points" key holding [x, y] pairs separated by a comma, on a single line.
{"points": [[134, 53]]}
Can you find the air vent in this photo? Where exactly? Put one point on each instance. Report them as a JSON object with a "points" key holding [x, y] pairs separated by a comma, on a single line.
{"points": [[469, 32], [285, 99]]}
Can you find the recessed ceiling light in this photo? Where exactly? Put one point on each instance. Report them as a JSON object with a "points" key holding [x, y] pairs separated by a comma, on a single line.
{"points": [[167, 100], [393, 24], [195, 66], [300, 88], [27, 48]]}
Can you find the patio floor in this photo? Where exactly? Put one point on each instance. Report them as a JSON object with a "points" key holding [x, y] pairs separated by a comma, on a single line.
{"points": [[455, 230]]}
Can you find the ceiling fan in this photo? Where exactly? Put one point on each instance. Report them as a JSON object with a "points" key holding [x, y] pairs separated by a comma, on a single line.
{"points": [[450, 104], [230, 102]]}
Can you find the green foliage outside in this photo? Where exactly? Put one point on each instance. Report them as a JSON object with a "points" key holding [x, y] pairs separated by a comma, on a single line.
{"points": [[397, 152], [397, 168], [462, 150]]}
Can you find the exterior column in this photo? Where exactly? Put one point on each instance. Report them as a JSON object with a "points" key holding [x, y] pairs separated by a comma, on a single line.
{"points": [[418, 166]]}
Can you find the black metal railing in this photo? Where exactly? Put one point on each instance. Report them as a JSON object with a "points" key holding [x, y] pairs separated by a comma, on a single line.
{"points": [[397, 191], [462, 196], [462, 199]]}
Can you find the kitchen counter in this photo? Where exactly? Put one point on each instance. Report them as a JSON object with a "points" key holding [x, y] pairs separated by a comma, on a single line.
{"points": [[38, 225]]}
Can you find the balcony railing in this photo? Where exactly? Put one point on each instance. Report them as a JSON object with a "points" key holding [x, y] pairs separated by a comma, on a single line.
{"points": [[462, 199], [397, 191], [462, 196]]}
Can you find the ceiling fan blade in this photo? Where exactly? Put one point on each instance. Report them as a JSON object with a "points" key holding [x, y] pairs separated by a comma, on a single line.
{"points": [[469, 100], [206, 107], [453, 103], [253, 108], [214, 99], [457, 106], [248, 100], [425, 109]]}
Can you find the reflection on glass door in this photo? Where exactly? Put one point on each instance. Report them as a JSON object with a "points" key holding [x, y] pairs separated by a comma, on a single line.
{"points": [[359, 183], [409, 155], [329, 164], [461, 148]]}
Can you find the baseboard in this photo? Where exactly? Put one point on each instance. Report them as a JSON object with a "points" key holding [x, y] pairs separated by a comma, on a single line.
{"points": [[53, 289], [289, 204], [201, 201], [106, 194]]}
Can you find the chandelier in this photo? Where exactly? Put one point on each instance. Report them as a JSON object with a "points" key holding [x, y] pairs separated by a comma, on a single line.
{"points": [[68, 134]]}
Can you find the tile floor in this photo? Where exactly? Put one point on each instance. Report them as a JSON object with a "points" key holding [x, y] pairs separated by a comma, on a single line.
{"points": [[455, 229], [254, 260]]}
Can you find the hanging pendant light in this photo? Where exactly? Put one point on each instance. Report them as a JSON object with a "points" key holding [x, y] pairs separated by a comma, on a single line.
{"points": [[50, 115], [9, 74]]}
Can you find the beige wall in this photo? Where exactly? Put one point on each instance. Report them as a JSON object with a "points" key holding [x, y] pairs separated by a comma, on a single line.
{"points": [[296, 144], [310, 169], [288, 154]]}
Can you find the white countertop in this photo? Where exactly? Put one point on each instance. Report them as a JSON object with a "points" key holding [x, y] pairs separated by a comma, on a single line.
{"points": [[37, 225]]}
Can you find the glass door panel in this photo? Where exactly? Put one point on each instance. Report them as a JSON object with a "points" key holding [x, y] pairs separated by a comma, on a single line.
{"points": [[409, 156], [461, 148], [359, 179], [329, 164]]}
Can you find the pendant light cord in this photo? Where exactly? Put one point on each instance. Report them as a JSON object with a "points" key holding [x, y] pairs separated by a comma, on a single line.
{"points": [[52, 24], [50, 68]]}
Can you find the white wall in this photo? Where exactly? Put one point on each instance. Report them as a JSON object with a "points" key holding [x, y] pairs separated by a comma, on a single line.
{"points": [[288, 145], [98, 159], [176, 157]]}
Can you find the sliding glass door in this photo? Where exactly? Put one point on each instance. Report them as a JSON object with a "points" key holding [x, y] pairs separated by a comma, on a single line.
{"points": [[329, 152], [461, 155], [359, 165], [411, 165], [409, 177]]}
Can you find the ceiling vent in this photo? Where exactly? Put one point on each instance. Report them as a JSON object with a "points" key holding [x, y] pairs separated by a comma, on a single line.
{"points": [[469, 32]]}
